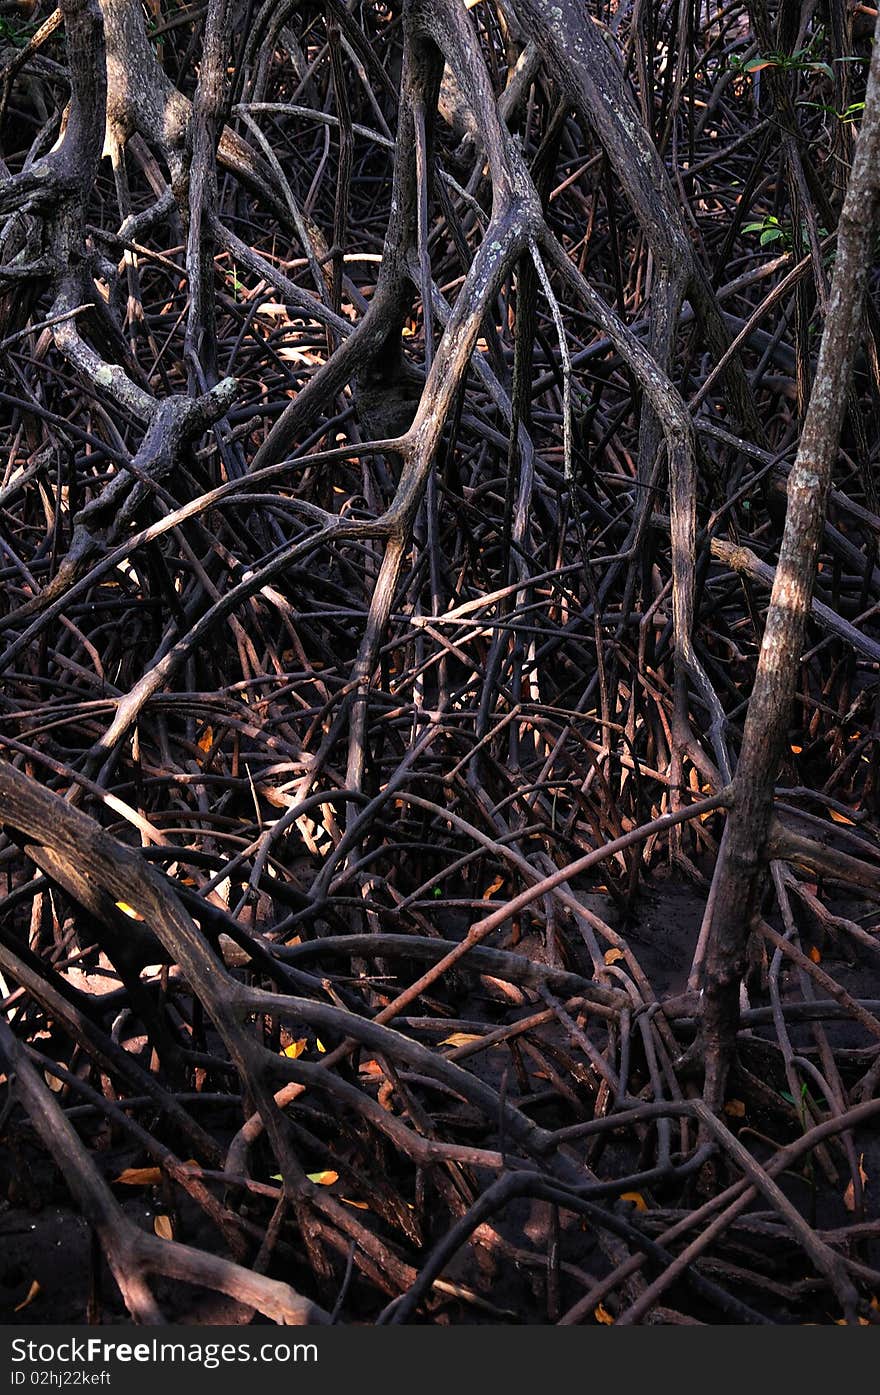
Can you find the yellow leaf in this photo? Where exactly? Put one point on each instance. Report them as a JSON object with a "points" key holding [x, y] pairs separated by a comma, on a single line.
{"points": [[296, 1048], [323, 1179], [735, 1109], [841, 818], [350, 1201], [31, 1295], [602, 1315], [163, 1227], [320, 1045], [140, 1177], [814, 954], [129, 910], [461, 1039], [849, 1196], [636, 1198], [612, 955], [491, 889]]}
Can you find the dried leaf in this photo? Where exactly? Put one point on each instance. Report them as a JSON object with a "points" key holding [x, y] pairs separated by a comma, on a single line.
{"points": [[636, 1198], [602, 1315], [735, 1109], [55, 1085], [492, 888], [849, 1196], [163, 1227], [206, 740], [814, 955], [461, 1038], [31, 1295], [841, 818], [129, 910], [371, 1068], [140, 1177], [613, 955], [350, 1201], [323, 1179], [295, 1048]]}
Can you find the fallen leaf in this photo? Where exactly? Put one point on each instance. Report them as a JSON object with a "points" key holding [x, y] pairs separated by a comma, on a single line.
{"points": [[295, 1048], [492, 888], [55, 1085], [461, 1038], [797, 750], [636, 1198], [140, 1177], [320, 1045], [735, 1109], [371, 1068], [323, 1179], [849, 1196], [841, 818], [206, 740], [163, 1227], [602, 1315], [129, 910], [350, 1201], [31, 1295], [612, 955], [814, 955]]}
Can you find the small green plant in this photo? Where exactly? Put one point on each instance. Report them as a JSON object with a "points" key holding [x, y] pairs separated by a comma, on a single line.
{"points": [[16, 33], [802, 60], [770, 229], [849, 115]]}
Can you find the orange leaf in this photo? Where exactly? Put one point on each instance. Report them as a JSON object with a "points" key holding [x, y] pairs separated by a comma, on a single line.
{"points": [[31, 1295], [206, 740], [849, 1196], [602, 1315], [636, 1198], [350, 1201], [735, 1109], [323, 1179], [612, 955], [814, 954], [495, 886], [140, 1177], [163, 1227], [841, 818]]}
